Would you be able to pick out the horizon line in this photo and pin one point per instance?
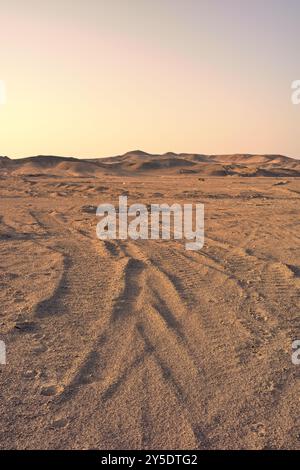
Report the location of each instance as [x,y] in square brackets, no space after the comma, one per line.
[151,154]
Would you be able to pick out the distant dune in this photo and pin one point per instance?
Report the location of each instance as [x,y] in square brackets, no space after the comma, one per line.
[138,162]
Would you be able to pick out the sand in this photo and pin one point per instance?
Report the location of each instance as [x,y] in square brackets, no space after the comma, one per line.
[143,344]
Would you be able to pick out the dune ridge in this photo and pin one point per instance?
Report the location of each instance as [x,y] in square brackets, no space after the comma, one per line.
[138,162]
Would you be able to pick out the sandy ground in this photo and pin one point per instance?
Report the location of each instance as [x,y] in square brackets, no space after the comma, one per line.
[128,345]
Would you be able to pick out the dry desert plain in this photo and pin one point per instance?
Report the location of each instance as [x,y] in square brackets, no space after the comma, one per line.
[143,344]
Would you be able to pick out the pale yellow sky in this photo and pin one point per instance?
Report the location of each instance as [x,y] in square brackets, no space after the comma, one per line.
[96,78]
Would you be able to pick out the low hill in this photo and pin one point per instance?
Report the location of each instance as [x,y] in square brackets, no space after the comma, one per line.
[138,162]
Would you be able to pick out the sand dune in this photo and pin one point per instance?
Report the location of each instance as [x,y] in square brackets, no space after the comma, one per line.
[138,162]
[142,344]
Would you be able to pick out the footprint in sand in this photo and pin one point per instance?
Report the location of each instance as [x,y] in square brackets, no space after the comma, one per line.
[26,326]
[60,423]
[30,374]
[259,429]
[51,390]
[40,349]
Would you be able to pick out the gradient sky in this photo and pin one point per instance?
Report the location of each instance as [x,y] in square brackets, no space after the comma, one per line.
[96,77]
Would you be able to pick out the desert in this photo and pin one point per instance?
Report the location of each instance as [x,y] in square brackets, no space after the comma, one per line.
[142,344]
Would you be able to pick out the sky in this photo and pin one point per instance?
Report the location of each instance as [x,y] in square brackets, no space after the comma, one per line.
[93,78]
